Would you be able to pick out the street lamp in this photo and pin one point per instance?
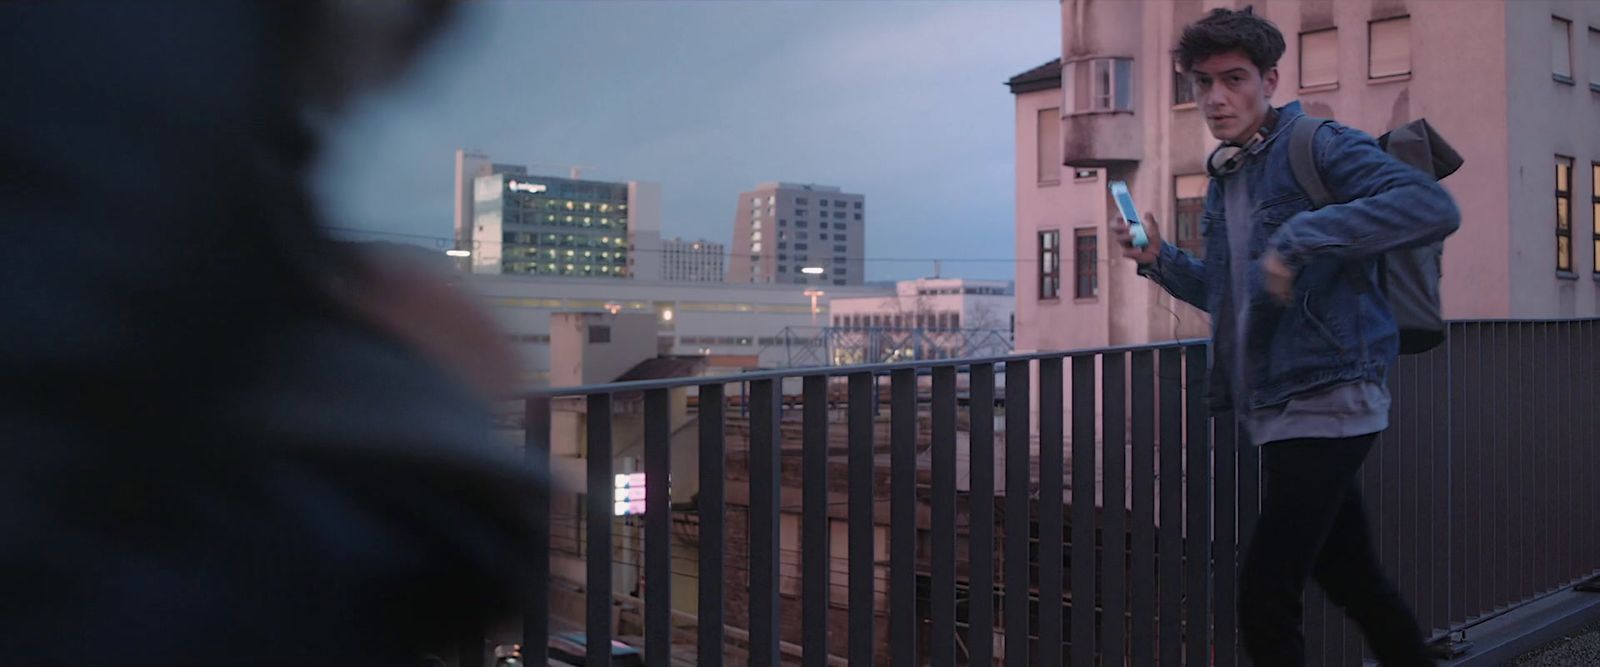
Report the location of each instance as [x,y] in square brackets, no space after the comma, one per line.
[814,293]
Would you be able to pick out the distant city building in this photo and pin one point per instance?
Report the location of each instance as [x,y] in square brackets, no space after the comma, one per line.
[742,325]
[929,303]
[926,318]
[691,261]
[783,229]
[551,226]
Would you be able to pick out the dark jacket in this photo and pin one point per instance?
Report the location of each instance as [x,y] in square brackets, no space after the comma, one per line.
[1337,327]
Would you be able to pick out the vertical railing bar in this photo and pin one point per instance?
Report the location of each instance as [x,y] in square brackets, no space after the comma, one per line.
[816,552]
[1565,395]
[903,518]
[1197,541]
[536,597]
[1051,500]
[657,529]
[599,501]
[1170,547]
[1439,513]
[1455,492]
[765,403]
[713,520]
[980,543]
[1141,565]
[1017,519]
[863,400]
[1114,528]
[1084,566]
[1411,442]
[1523,489]
[1223,543]
[942,540]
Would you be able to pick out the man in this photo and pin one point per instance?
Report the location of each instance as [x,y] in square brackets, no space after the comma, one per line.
[1302,335]
[224,437]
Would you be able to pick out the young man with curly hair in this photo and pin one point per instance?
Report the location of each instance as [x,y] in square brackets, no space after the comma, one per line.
[1302,336]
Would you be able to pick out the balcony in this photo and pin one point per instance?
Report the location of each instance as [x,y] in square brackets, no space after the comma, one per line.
[1099,127]
[1482,495]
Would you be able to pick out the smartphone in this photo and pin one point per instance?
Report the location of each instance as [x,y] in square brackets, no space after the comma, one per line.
[1130,215]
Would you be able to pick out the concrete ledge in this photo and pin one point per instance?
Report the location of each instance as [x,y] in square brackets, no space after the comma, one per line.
[1527,628]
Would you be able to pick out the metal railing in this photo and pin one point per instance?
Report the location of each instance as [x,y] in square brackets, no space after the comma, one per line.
[1482,494]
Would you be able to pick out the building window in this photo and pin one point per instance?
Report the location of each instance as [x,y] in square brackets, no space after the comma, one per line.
[1389,48]
[800,212]
[801,235]
[800,246]
[782,222]
[1048,135]
[839,248]
[823,236]
[1189,205]
[822,202]
[599,334]
[858,206]
[1561,49]
[1050,264]
[799,201]
[1563,213]
[1098,85]
[1594,59]
[858,216]
[1086,258]
[800,223]
[1182,87]
[1594,215]
[1319,58]
[838,237]
[838,225]
[839,281]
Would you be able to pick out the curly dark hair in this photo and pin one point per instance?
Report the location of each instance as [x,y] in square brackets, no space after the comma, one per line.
[1225,30]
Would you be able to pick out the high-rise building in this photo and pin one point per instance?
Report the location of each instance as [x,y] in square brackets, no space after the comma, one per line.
[550,226]
[798,234]
[469,166]
[1511,85]
[691,261]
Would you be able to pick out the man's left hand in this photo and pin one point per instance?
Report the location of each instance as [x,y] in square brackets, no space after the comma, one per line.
[1278,276]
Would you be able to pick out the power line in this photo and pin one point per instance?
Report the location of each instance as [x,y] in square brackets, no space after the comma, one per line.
[444,242]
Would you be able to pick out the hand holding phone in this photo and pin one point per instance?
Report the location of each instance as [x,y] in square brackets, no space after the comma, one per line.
[1130,214]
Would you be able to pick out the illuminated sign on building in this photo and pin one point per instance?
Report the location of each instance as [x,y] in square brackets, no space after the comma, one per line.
[629,494]
[518,186]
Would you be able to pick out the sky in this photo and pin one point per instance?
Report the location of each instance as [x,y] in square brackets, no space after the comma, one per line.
[903,102]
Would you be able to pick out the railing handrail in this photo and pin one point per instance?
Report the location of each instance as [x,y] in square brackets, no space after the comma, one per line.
[878,368]
[921,364]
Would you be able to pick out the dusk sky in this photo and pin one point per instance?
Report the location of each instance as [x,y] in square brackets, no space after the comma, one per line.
[900,101]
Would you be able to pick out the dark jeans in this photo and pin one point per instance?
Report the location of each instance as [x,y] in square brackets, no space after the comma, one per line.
[1313,524]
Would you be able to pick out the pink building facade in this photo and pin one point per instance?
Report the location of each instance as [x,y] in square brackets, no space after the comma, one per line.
[1514,86]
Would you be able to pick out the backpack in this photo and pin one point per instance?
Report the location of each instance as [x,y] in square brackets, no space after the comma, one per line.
[1409,278]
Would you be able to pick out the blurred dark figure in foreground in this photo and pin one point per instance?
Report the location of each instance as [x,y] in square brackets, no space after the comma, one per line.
[225,438]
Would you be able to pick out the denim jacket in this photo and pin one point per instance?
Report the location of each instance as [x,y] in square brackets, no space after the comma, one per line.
[1337,327]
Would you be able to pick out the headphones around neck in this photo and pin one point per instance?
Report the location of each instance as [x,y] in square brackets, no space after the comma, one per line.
[1229,157]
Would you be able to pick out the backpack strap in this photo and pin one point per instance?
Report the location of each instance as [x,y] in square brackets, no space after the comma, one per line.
[1303,160]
